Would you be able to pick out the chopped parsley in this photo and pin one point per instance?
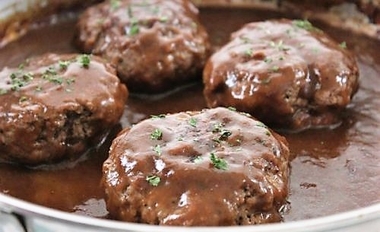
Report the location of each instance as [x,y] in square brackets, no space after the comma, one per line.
[20,79]
[64,64]
[279,45]
[245,39]
[268,60]
[197,159]
[343,45]
[50,75]
[153,180]
[193,122]
[260,124]
[158,116]
[134,29]
[218,163]
[38,88]
[217,127]
[304,24]
[23,99]
[115,4]
[70,81]
[248,52]
[158,149]
[274,68]
[84,60]
[156,134]
[164,19]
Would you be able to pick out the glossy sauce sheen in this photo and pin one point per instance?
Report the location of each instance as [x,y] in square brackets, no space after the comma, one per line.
[57,96]
[249,187]
[332,170]
[283,74]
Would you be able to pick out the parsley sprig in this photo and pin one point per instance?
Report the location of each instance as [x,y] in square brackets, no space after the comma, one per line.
[193,122]
[153,180]
[156,134]
[304,24]
[219,163]
[84,60]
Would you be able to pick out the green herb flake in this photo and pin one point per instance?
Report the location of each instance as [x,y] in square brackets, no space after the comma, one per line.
[232,108]
[248,52]
[56,80]
[20,79]
[245,39]
[218,163]
[23,99]
[156,134]
[21,66]
[48,72]
[134,29]
[153,180]
[115,4]
[193,122]
[158,149]
[343,45]
[3,91]
[197,159]
[84,60]
[304,24]
[217,127]
[164,19]
[260,124]
[279,45]
[158,116]
[70,81]
[274,68]
[268,60]
[39,88]
[64,64]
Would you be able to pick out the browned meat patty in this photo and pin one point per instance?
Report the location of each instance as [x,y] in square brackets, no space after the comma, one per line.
[54,106]
[370,8]
[288,74]
[155,44]
[216,167]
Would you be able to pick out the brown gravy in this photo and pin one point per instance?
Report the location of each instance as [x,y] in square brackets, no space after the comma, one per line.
[332,170]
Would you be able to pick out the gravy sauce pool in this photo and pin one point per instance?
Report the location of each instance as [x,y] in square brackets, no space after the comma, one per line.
[332,170]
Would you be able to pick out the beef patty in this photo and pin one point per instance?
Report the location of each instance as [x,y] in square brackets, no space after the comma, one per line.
[286,73]
[54,106]
[155,44]
[216,167]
